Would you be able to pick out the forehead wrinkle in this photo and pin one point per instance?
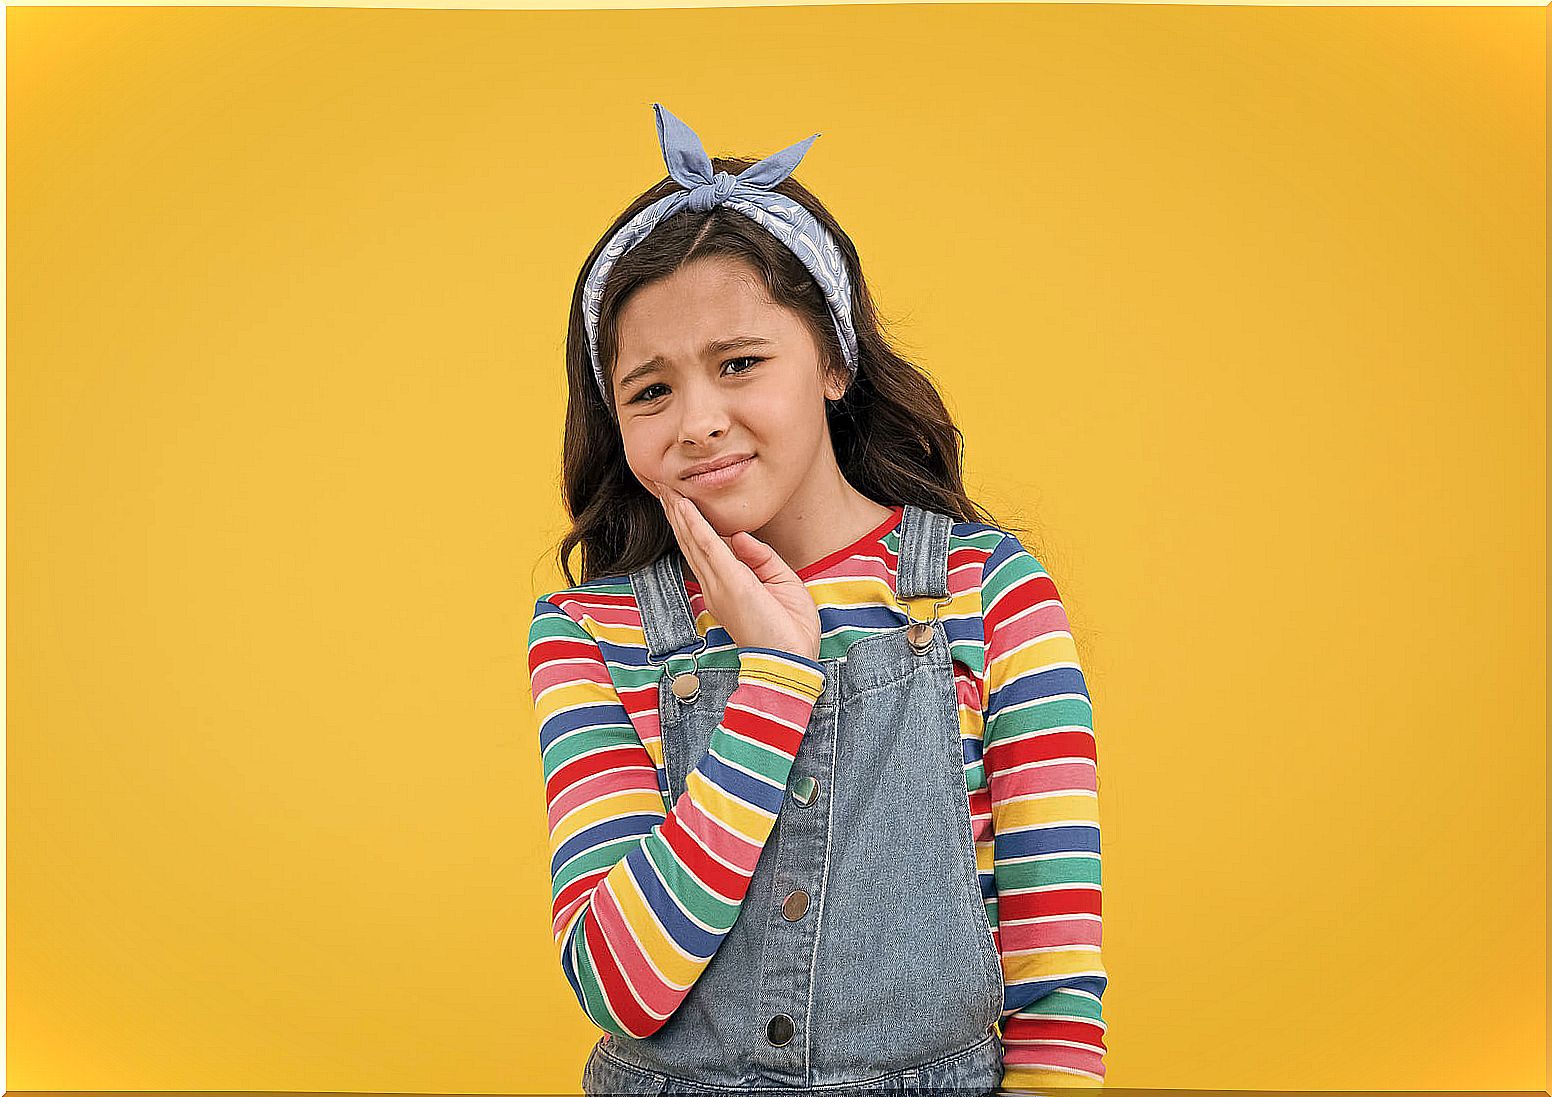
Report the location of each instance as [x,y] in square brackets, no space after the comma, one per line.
[712,349]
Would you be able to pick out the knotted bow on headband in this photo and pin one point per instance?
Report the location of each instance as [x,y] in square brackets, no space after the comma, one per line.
[750,193]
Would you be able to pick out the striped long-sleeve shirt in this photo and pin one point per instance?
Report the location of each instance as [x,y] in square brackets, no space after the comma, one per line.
[626,865]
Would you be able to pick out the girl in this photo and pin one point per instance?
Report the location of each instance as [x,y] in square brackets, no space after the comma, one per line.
[818,754]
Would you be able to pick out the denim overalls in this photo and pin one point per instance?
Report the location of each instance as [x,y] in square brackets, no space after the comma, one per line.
[862,958]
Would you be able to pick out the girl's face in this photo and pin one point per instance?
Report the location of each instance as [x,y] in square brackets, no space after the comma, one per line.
[709,368]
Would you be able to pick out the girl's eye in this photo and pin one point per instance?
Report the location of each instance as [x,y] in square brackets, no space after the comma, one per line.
[643,397]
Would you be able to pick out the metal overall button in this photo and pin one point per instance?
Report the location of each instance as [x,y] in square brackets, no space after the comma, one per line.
[795,905]
[804,789]
[779,1031]
[686,686]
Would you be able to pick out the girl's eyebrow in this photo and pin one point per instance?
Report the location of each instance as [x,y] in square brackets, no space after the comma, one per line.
[710,350]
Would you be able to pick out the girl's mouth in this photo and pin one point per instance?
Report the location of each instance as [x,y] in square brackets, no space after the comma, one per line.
[724,475]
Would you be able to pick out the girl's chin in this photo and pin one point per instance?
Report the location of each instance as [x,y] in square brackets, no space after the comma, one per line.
[729,511]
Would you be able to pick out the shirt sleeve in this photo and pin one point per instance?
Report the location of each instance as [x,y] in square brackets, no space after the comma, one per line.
[1042,774]
[642,898]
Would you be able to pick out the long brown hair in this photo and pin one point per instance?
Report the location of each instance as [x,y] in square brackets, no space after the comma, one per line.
[894,439]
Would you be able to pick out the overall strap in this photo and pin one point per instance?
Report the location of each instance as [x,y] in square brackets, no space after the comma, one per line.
[669,627]
[665,606]
[923,570]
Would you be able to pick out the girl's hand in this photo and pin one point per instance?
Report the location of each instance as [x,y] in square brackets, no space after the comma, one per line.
[748,588]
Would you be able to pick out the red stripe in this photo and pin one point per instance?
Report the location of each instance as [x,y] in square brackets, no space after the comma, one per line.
[589,765]
[716,876]
[611,981]
[1019,905]
[1028,591]
[1039,747]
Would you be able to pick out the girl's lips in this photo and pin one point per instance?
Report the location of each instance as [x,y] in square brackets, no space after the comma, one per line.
[724,475]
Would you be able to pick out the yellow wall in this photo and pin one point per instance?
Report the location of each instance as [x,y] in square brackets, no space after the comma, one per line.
[1242,309]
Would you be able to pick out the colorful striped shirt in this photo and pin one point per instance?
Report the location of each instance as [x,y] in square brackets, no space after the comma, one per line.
[644,890]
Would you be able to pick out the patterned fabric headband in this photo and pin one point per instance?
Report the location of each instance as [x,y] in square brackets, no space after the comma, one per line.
[750,193]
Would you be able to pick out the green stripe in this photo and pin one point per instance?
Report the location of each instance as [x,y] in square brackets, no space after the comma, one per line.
[772,764]
[599,858]
[702,904]
[1018,875]
[554,622]
[1047,714]
[594,1002]
[583,739]
[1063,1002]
[1021,565]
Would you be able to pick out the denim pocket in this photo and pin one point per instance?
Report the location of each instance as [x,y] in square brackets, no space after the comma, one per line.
[605,1076]
[977,1069]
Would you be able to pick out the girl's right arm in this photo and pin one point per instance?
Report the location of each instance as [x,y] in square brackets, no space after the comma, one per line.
[642,898]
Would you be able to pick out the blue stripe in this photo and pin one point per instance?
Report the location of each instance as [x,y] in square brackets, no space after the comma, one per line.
[739,785]
[1036,685]
[1067,838]
[602,833]
[593,716]
[686,933]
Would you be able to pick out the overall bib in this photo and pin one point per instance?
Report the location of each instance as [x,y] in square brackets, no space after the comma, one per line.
[862,958]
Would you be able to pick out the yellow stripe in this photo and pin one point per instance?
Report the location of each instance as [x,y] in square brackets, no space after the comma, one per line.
[573,693]
[1055,808]
[985,855]
[673,965]
[1055,647]
[1016,1078]
[625,802]
[736,815]
[1046,965]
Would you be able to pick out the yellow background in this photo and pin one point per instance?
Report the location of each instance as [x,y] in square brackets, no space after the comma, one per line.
[1241,309]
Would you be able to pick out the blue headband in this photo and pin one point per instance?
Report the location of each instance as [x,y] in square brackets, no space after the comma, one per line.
[750,193]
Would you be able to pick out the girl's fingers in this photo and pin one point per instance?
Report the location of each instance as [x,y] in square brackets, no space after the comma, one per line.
[694,532]
[711,543]
[714,561]
[670,511]
[682,533]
